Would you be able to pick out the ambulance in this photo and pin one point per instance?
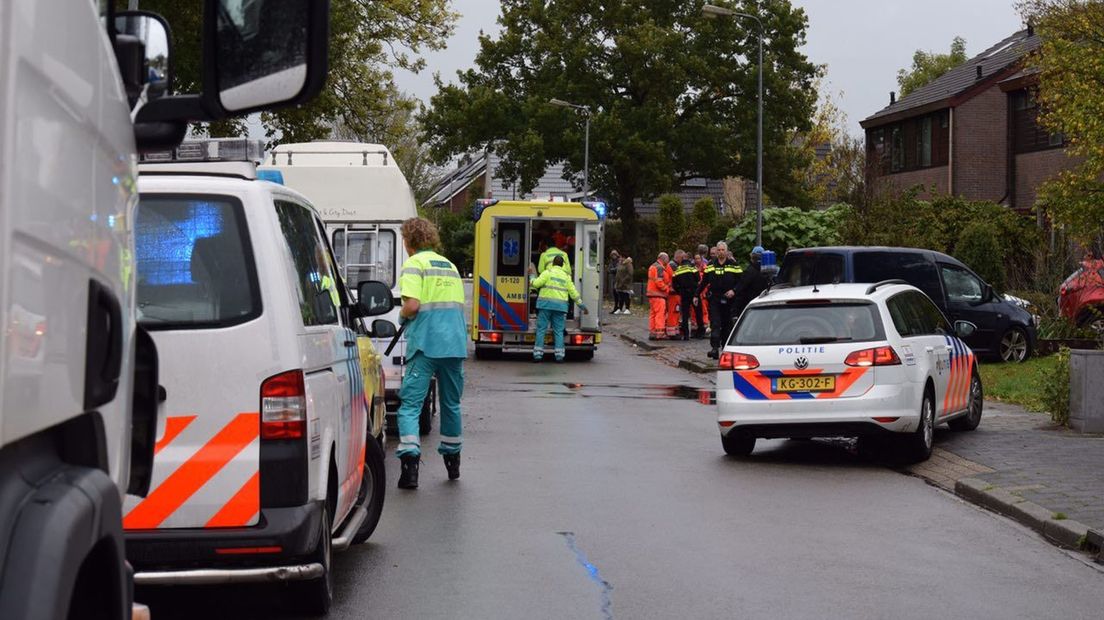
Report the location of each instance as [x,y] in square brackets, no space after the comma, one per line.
[509,239]
[271,456]
[363,198]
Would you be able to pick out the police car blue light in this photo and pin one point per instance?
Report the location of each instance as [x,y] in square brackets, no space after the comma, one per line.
[272,176]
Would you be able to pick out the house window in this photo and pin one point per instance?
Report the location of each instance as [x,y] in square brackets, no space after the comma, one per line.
[1027,134]
[916,143]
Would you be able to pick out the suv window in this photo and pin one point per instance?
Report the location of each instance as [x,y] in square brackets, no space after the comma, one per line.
[808,268]
[912,267]
[318,296]
[806,323]
[194,263]
[961,285]
[371,256]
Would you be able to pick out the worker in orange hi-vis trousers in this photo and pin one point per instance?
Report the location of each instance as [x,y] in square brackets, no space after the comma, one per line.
[673,299]
[659,286]
[701,260]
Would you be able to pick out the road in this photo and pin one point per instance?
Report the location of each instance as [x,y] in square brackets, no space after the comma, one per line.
[582,500]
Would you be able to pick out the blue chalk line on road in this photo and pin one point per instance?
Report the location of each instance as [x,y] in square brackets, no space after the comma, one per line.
[592,573]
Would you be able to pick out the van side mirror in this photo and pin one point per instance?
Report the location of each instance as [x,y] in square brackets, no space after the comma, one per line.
[382,328]
[373,299]
[964,329]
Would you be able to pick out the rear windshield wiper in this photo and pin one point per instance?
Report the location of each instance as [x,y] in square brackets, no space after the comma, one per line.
[823,339]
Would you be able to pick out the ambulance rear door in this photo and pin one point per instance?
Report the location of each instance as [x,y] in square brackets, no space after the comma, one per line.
[588,277]
[506,299]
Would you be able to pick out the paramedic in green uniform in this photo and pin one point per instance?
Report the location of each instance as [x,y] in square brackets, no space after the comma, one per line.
[548,254]
[555,288]
[436,345]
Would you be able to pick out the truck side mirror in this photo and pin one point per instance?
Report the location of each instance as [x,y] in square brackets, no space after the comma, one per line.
[259,55]
[155,72]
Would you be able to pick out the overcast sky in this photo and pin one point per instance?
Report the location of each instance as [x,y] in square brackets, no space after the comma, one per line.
[863,42]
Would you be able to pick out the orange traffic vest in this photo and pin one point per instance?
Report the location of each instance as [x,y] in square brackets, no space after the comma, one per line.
[659,280]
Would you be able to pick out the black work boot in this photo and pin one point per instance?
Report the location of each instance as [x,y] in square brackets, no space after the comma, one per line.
[452,464]
[713,353]
[408,479]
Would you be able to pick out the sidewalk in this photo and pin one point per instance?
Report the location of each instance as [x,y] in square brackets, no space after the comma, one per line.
[1017,463]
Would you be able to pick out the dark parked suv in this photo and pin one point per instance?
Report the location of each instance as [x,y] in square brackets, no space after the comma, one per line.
[1005,331]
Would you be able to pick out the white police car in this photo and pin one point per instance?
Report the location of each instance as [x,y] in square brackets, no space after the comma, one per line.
[846,360]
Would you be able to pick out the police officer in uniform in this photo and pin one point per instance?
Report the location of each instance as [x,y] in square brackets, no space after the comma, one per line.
[555,288]
[685,283]
[721,277]
[436,345]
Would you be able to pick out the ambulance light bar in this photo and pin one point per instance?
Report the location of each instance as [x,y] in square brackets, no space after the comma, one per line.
[211,149]
[480,204]
[599,208]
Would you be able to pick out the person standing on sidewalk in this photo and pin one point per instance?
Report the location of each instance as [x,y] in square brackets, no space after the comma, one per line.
[659,286]
[721,277]
[673,298]
[752,283]
[436,345]
[685,282]
[556,289]
[622,286]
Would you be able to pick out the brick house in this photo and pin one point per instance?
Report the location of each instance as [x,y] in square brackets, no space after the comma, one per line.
[972,132]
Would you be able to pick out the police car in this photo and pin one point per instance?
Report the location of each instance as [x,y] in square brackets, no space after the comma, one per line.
[846,360]
[268,455]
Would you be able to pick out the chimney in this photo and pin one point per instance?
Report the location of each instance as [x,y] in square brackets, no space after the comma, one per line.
[892,97]
[1030,29]
[979,72]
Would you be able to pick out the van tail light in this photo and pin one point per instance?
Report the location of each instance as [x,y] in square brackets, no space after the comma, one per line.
[738,361]
[284,406]
[878,356]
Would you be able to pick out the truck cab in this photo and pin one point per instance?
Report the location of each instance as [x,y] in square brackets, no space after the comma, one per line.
[510,238]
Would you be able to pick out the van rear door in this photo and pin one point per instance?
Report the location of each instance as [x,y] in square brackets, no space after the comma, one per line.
[590,273]
[198,297]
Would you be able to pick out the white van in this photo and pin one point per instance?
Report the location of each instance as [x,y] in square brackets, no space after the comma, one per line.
[270,457]
[363,198]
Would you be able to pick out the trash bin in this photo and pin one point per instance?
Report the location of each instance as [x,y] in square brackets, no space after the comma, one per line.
[1086,391]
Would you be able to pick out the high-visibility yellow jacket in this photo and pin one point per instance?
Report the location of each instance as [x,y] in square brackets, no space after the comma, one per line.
[439,329]
[545,260]
[556,288]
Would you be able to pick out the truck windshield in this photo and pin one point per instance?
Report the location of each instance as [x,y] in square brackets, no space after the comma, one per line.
[371,256]
[194,263]
[798,323]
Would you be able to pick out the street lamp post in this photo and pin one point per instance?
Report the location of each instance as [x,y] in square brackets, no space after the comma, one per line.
[585,109]
[713,11]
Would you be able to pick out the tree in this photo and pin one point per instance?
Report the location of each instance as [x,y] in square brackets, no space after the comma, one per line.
[926,66]
[705,213]
[368,39]
[672,94]
[1071,102]
[837,160]
[672,222]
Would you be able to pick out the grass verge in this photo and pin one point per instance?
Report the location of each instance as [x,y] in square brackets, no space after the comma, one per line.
[1020,384]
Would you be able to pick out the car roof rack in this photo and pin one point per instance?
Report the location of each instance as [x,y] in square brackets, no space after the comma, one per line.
[877,285]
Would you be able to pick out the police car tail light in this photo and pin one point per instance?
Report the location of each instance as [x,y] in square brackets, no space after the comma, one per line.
[738,361]
[284,406]
[878,356]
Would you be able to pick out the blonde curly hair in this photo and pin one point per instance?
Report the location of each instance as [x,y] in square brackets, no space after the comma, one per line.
[420,234]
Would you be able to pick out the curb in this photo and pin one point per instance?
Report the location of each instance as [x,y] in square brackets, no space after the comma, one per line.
[697,367]
[1095,540]
[1064,532]
[685,364]
[640,343]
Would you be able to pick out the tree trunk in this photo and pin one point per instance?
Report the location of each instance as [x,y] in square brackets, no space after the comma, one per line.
[626,208]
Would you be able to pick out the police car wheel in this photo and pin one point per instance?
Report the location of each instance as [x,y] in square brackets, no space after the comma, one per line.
[372,490]
[917,445]
[314,597]
[736,443]
[971,420]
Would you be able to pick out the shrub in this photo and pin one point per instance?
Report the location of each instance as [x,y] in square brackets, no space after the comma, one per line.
[672,222]
[789,227]
[979,247]
[1056,386]
[704,213]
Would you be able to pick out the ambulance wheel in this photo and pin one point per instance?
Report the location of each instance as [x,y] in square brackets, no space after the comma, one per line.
[736,443]
[487,353]
[372,490]
[314,597]
[581,356]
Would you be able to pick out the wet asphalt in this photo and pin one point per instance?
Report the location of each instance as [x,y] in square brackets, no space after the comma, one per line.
[600,490]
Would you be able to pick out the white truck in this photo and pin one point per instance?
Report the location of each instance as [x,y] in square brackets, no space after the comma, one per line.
[83,89]
[363,198]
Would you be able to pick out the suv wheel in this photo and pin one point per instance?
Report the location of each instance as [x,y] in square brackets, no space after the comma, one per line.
[971,420]
[1013,345]
[736,443]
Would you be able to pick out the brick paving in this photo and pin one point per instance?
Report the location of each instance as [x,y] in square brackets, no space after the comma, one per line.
[1013,449]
